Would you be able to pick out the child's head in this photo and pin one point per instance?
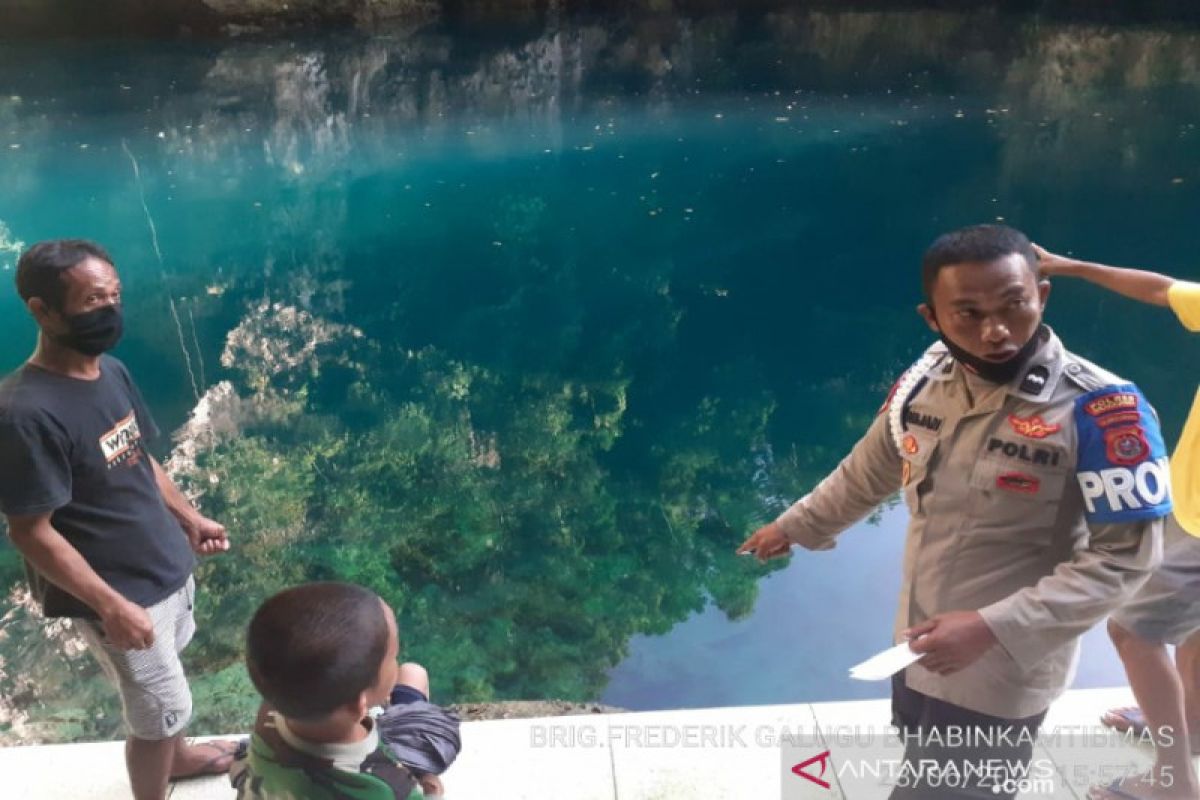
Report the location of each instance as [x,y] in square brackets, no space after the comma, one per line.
[322,648]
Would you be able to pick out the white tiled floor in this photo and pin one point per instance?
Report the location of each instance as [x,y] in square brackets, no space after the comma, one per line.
[707,754]
[721,753]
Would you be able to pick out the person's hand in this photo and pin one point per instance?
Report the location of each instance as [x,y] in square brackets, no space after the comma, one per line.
[206,536]
[951,641]
[431,785]
[127,626]
[1052,263]
[767,542]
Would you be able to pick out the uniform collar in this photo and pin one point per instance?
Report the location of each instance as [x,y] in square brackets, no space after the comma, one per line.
[1036,382]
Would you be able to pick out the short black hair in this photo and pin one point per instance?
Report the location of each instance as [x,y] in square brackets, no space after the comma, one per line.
[316,647]
[977,243]
[41,268]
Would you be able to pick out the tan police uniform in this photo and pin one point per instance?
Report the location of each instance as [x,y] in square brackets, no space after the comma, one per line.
[1037,503]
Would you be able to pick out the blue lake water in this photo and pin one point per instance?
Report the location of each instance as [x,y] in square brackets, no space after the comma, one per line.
[531,328]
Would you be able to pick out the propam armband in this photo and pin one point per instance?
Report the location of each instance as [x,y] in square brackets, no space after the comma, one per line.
[1122,466]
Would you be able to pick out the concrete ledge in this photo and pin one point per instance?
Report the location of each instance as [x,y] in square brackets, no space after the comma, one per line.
[696,754]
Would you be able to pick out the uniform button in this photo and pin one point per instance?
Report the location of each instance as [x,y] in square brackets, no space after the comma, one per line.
[1073,368]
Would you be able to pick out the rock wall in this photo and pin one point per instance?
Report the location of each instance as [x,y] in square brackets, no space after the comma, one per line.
[304,97]
[84,18]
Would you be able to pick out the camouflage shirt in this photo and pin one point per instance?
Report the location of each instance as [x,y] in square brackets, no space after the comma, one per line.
[281,766]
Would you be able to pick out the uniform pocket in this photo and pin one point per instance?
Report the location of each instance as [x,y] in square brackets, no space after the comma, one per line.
[1013,497]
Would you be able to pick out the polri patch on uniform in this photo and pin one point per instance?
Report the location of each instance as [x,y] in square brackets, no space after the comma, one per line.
[1121,468]
[909,443]
[1035,380]
[1032,427]
[1021,451]
[1018,482]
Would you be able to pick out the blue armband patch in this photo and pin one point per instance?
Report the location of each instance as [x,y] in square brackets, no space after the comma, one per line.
[1122,466]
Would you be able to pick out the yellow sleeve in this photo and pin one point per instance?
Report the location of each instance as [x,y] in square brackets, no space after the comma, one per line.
[1184,297]
[1185,473]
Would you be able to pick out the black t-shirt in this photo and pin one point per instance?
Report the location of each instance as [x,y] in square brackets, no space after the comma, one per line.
[77,448]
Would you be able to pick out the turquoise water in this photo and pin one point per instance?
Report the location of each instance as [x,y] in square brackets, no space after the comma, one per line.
[566,313]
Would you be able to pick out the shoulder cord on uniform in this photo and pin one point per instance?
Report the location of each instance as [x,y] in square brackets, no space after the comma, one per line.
[908,385]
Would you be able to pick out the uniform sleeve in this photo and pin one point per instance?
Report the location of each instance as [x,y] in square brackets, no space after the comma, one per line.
[864,479]
[1124,480]
[1119,558]
[35,463]
[1122,459]
[1184,298]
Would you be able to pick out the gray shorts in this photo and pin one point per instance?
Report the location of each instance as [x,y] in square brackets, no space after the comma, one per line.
[155,699]
[1167,607]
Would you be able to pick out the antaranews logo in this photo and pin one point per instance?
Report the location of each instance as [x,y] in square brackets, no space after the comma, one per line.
[802,768]
[812,777]
[872,761]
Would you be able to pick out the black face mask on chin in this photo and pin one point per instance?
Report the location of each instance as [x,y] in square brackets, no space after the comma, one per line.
[93,332]
[995,371]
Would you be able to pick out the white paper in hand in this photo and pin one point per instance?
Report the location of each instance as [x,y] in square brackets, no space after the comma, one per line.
[882,666]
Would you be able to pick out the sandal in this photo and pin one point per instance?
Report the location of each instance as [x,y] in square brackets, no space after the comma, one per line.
[1113,791]
[1131,718]
[1126,718]
[227,752]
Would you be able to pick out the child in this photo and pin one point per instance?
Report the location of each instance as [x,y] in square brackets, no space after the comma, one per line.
[321,655]
[1166,610]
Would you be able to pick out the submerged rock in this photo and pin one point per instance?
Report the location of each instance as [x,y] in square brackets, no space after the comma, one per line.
[359,11]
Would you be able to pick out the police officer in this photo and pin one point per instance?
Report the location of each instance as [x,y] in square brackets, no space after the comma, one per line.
[1036,483]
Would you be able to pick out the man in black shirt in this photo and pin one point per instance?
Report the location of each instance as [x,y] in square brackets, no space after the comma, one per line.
[107,538]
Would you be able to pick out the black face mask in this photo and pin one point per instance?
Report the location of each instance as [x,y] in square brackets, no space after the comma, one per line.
[995,371]
[93,332]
